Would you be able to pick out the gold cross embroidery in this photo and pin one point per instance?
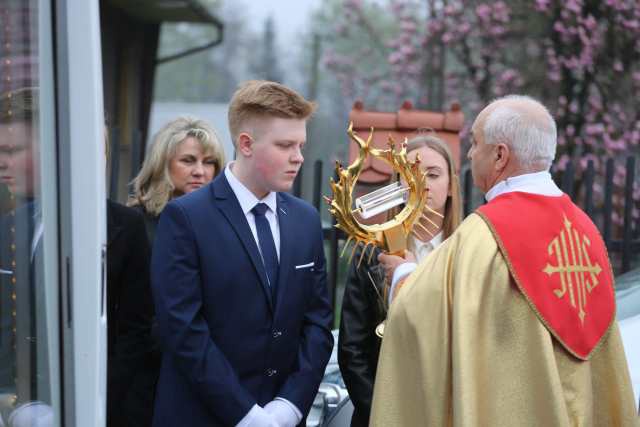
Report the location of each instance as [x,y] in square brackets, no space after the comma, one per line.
[577,273]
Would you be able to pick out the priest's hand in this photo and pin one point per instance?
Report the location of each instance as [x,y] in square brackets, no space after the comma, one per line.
[390,262]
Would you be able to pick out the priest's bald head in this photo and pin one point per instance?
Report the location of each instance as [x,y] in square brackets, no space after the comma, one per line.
[512,136]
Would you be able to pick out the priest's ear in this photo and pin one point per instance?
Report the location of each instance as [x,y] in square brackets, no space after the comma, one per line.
[502,156]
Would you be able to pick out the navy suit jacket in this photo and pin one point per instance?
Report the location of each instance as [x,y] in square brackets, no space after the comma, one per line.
[228,344]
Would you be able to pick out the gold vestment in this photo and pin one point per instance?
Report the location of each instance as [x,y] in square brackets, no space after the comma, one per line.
[462,347]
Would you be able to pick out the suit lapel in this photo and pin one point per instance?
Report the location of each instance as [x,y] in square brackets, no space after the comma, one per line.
[285,223]
[230,208]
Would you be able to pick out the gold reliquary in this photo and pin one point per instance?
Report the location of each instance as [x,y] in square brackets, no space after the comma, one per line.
[409,192]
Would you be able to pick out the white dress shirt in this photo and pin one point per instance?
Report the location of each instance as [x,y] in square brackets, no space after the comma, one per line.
[420,250]
[535,183]
[248,201]
[279,412]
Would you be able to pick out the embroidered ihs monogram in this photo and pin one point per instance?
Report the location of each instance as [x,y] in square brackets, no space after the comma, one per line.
[578,275]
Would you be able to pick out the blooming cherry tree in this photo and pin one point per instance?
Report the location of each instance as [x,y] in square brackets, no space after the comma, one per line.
[579,57]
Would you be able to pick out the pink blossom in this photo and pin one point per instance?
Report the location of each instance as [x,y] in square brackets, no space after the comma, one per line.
[543,5]
[464,28]
[435,26]
[594,129]
[407,50]
[451,9]
[395,57]
[561,140]
[591,141]
[501,12]
[571,130]
[562,162]
[615,4]
[631,24]
[590,23]
[584,161]
[617,65]
[356,4]
[573,107]
[408,26]
[573,5]
[497,30]
[483,11]
[553,75]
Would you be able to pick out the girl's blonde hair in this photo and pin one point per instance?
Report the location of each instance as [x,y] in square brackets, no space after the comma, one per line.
[152,187]
[452,209]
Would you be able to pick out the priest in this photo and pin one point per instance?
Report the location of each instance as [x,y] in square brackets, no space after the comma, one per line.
[511,321]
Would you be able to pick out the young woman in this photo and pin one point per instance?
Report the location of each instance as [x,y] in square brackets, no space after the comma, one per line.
[363,306]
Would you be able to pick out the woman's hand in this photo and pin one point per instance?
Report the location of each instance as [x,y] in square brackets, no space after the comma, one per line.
[390,262]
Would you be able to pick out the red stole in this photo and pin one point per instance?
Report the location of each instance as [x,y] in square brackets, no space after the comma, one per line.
[559,262]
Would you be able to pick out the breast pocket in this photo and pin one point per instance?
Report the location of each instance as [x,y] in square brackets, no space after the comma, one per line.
[303,278]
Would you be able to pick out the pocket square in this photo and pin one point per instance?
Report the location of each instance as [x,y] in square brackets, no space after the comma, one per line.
[9,272]
[311,264]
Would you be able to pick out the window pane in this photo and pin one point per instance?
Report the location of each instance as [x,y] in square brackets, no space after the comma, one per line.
[25,389]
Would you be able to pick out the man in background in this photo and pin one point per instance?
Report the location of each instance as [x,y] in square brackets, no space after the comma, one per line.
[24,364]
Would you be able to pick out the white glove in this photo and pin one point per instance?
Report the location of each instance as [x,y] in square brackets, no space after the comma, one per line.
[258,417]
[32,414]
[283,412]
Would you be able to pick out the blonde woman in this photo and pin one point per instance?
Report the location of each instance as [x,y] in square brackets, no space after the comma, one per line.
[185,155]
[363,307]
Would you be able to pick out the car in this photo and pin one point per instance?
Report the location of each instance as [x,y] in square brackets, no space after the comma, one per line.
[331,406]
[628,314]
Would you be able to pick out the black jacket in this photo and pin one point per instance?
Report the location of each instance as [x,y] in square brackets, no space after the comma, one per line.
[358,345]
[150,223]
[130,375]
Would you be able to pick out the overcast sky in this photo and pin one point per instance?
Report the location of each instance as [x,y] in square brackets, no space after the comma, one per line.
[290,15]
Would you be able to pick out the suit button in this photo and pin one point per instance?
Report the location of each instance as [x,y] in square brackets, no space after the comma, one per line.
[271,372]
[276,334]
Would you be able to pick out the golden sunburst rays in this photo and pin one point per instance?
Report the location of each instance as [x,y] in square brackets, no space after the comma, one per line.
[424,222]
[368,237]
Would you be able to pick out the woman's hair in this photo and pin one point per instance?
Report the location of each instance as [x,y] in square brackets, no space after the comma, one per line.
[152,187]
[452,209]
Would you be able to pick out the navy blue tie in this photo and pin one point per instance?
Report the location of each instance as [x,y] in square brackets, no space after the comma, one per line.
[267,245]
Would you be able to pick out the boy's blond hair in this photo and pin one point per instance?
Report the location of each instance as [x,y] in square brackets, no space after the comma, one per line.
[261,98]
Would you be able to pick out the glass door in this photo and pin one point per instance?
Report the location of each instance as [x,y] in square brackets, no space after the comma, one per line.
[29,286]
[52,215]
